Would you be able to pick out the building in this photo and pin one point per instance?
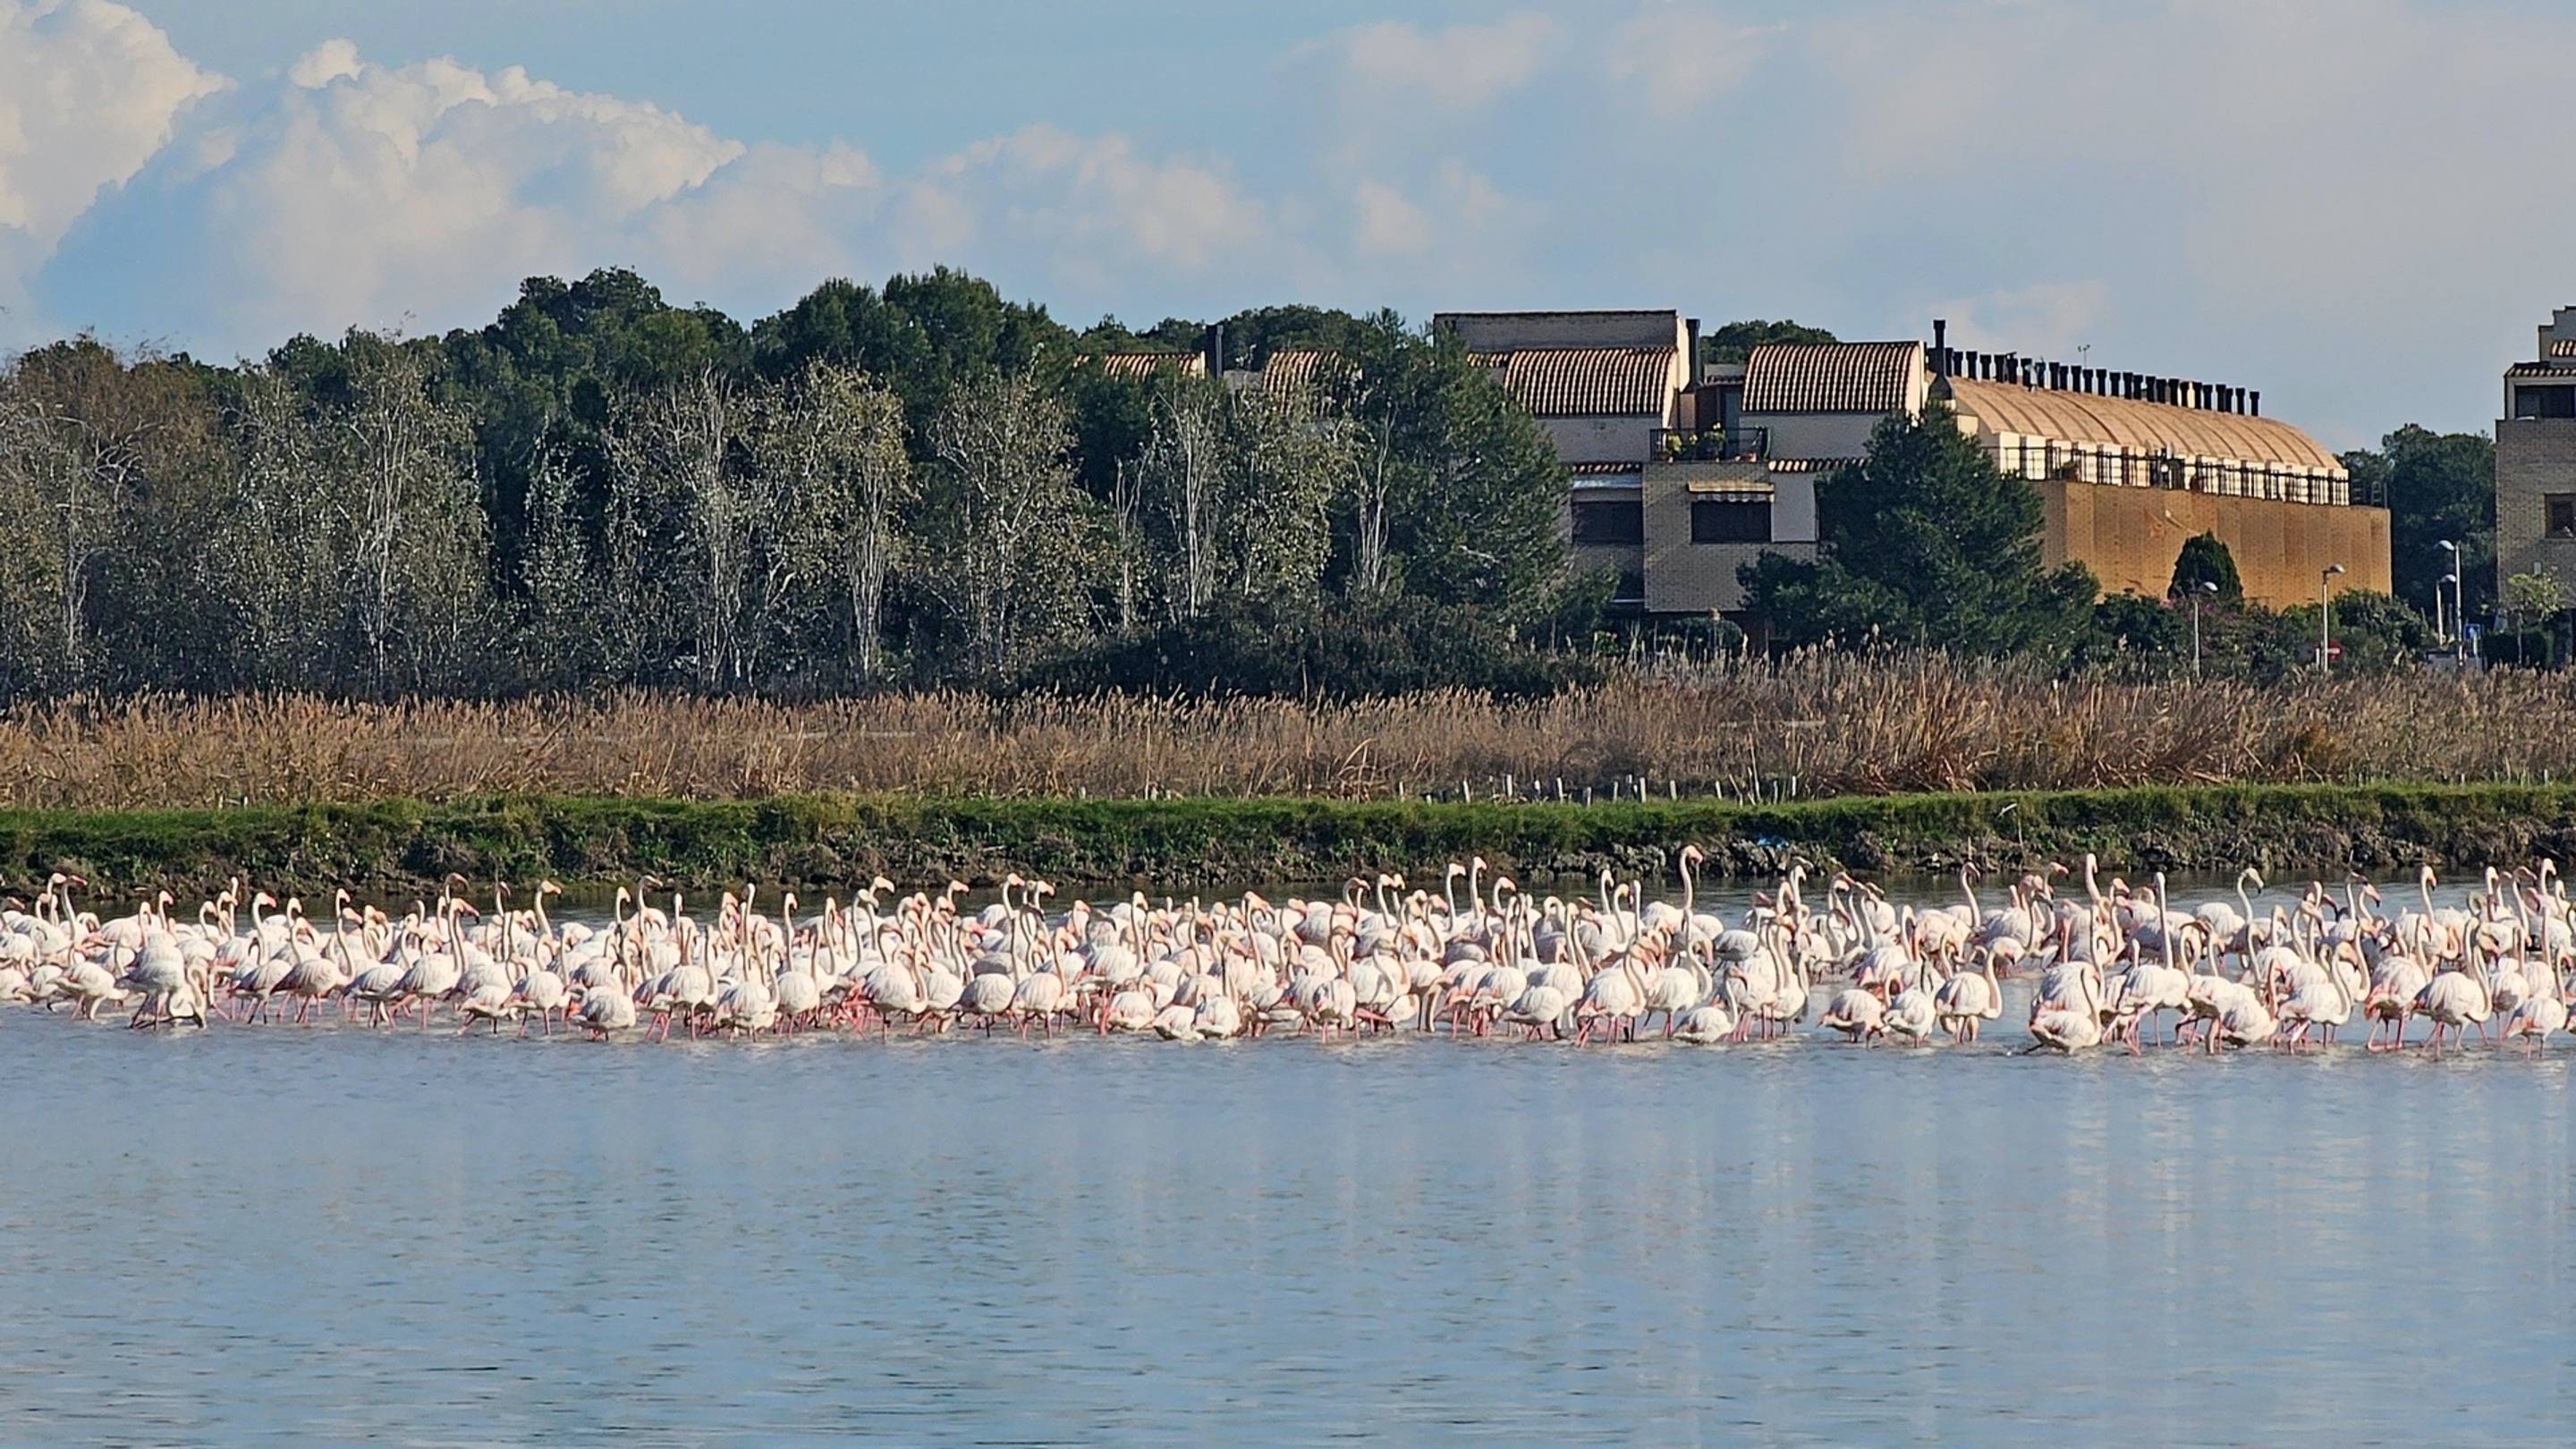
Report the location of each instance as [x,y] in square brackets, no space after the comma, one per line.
[2535,461]
[1608,387]
[2127,466]
[1682,474]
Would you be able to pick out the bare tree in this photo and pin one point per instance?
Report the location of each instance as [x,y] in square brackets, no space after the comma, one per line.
[680,444]
[1002,443]
[838,441]
[73,443]
[410,510]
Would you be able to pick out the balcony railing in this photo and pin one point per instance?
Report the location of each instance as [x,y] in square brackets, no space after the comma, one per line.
[1711,445]
[2121,468]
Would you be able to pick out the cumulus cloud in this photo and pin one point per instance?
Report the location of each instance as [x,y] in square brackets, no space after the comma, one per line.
[357,193]
[1047,186]
[2044,319]
[1388,221]
[1679,55]
[88,92]
[1460,67]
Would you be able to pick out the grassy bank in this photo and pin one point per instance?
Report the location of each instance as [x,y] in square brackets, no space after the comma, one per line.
[831,842]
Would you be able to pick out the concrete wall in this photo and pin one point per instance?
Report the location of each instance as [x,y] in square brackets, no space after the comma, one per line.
[1513,331]
[2535,457]
[1602,440]
[2130,538]
[1817,435]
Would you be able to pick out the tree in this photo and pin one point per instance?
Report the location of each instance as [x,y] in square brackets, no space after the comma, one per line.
[839,437]
[405,496]
[1735,341]
[1927,544]
[1004,516]
[2440,486]
[81,435]
[2205,560]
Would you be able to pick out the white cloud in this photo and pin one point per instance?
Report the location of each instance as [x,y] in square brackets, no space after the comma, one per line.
[1096,203]
[88,92]
[1461,67]
[2045,319]
[1388,221]
[1679,55]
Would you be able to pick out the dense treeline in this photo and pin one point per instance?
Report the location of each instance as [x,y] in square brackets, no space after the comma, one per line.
[923,483]
[926,484]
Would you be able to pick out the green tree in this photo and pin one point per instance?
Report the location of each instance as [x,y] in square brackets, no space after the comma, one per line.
[1735,341]
[2205,560]
[1927,543]
[2440,486]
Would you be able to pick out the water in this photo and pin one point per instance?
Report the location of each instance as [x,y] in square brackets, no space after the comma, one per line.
[331,1236]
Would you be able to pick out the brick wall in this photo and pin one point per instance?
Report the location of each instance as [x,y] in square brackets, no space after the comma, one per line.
[2535,457]
[2130,538]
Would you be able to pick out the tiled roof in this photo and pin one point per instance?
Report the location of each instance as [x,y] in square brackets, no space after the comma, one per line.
[2541,369]
[1149,364]
[1589,382]
[1604,470]
[1299,367]
[2140,427]
[2562,347]
[1832,377]
[1788,466]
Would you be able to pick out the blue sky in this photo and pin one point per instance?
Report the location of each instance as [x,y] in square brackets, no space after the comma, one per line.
[2345,203]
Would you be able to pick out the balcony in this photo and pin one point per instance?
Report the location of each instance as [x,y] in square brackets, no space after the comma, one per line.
[1711,445]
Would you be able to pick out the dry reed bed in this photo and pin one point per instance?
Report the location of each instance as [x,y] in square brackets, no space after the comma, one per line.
[1836,726]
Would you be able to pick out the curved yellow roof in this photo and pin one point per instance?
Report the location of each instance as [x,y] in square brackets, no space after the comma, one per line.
[2141,427]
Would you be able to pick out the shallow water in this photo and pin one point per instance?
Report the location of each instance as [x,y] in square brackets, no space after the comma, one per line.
[254,1235]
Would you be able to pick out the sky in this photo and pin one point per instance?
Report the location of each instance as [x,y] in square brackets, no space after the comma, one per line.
[2359,207]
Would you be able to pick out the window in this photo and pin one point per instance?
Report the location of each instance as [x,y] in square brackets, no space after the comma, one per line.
[2544,402]
[1610,521]
[2562,514]
[1715,520]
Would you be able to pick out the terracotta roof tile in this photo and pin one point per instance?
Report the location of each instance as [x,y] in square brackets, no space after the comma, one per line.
[1832,377]
[1149,364]
[1589,382]
[1288,367]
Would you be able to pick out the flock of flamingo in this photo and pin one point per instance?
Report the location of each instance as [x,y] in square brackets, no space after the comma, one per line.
[2116,966]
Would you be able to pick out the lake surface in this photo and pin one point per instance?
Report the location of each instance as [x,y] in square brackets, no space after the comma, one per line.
[269,1235]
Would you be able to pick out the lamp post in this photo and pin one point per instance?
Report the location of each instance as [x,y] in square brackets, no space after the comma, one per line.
[2459,610]
[2325,618]
[2206,587]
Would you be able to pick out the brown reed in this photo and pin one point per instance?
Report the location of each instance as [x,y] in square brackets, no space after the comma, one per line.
[1818,725]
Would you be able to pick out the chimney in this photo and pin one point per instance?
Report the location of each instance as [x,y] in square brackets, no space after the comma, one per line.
[1696,370]
[1940,347]
[2254,403]
[1216,351]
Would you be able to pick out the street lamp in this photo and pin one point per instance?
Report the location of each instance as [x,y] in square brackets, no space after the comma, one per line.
[2325,618]
[2459,608]
[2206,587]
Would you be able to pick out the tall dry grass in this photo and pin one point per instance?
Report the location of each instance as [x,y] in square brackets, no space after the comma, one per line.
[1834,725]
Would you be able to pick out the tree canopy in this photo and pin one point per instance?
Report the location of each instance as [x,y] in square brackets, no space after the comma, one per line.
[914,483]
[1735,341]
